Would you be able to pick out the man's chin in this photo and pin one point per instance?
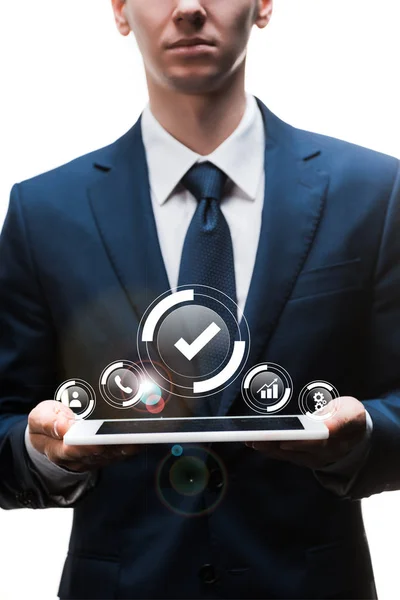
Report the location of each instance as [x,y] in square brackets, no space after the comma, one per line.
[195,84]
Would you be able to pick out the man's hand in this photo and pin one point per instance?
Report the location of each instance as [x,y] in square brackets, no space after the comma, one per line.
[49,421]
[346,429]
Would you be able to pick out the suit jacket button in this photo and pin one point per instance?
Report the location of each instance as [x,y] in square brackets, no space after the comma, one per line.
[207,574]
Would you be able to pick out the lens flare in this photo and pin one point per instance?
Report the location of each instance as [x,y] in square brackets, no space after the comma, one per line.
[191,482]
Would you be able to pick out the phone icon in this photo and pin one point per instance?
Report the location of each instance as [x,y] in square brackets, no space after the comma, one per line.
[118,382]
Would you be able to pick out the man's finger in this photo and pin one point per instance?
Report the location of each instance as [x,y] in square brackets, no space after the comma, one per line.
[90,455]
[304,445]
[51,418]
[349,419]
[296,445]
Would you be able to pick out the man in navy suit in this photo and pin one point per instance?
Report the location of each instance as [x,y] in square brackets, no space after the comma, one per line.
[309,229]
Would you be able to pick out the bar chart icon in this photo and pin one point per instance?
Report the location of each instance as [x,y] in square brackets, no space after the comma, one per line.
[269,391]
[267,388]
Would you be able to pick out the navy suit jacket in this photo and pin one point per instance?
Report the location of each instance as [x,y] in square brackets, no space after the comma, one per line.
[79,264]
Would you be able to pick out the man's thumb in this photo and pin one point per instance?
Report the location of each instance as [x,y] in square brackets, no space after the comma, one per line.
[62,424]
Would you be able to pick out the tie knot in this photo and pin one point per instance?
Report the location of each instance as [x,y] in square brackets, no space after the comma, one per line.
[205,180]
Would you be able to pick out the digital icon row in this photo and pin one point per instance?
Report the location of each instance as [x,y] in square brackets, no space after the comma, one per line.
[123,384]
[267,389]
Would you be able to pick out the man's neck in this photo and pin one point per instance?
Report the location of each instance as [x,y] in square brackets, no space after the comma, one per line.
[200,122]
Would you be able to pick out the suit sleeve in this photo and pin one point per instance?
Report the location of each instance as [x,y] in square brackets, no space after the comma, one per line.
[65,486]
[381,470]
[28,361]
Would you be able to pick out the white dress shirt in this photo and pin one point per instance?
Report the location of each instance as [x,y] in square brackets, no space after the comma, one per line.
[241,157]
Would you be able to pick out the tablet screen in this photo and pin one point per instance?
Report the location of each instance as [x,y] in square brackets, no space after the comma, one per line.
[160,425]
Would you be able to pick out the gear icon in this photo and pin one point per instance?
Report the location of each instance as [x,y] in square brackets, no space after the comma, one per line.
[319,400]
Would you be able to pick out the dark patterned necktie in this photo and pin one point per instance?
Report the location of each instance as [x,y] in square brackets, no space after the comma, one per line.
[207,256]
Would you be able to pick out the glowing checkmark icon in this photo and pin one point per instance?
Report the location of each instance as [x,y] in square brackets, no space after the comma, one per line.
[189,351]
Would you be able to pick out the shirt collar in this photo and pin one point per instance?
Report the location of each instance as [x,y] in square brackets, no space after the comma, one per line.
[168,159]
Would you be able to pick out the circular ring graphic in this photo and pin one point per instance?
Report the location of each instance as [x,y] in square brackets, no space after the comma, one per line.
[123,384]
[78,395]
[174,318]
[267,388]
[314,399]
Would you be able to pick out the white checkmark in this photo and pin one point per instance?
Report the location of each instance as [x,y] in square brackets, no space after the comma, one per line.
[189,351]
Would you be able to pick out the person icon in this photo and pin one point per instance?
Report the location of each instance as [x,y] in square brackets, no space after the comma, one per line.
[75,398]
[75,402]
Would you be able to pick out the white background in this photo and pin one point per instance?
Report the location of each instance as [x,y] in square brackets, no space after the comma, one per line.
[71,84]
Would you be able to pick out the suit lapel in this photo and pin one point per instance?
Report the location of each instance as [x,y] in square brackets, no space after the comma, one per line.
[121,205]
[293,204]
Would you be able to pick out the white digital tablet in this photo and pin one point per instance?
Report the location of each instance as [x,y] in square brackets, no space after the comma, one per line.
[161,430]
